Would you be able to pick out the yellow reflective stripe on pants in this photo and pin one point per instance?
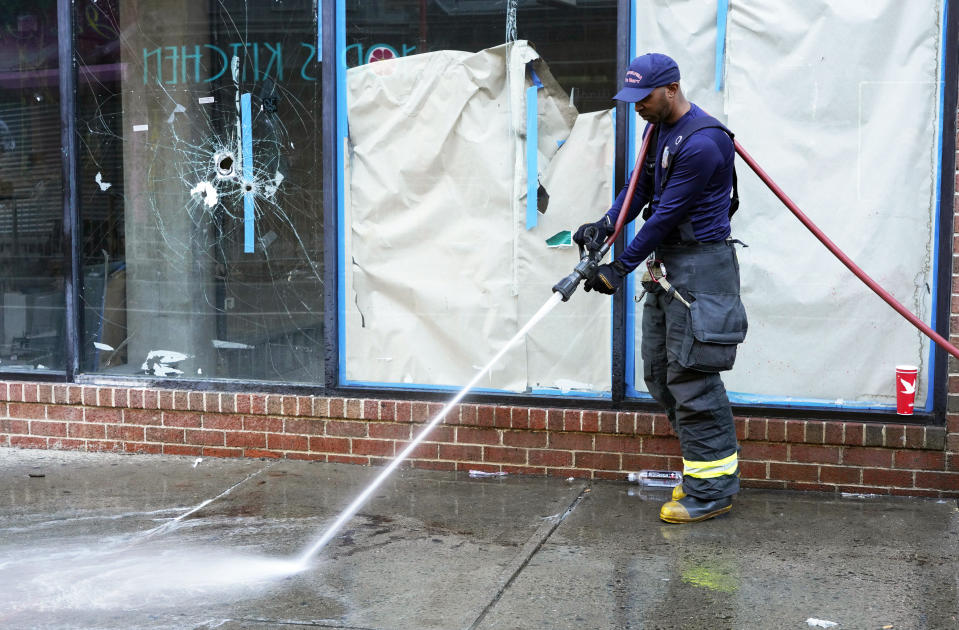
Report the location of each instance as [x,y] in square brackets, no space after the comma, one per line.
[707,470]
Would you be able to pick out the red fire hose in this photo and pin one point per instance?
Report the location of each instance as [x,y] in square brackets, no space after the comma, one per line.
[838,253]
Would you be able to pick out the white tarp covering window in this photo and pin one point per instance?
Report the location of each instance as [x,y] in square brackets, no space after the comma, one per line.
[441,268]
[839,103]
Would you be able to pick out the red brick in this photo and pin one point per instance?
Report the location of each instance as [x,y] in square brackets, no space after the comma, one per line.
[854,434]
[752,470]
[347,459]
[814,454]
[600,461]
[227,403]
[38,427]
[243,403]
[537,419]
[439,434]
[245,439]
[763,451]
[470,435]
[421,451]
[644,424]
[274,405]
[44,393]
[952,462]
[840,474]
[661,446]
[618,443]
[554,419]
[895,436]
[266,424]
[14,426]
[915,436]
[105,416]
[569,472]
[89,395]
[925,460]
[756,429]
[832,433]
[420,412]
[504,455]
[626,422]
[404,411]
[15,392]
[181,449]
[795,431]
[764,483]
[776,430]
[160,434]
[213,451]
[607,422]
[59,412]
[86,431]
[478,466]
[814,432]
[205,438]
[523,470]
[102,446]
[305,427]
[662,426]
[126,433]
[185,419]
[502,417]
[638,462]
[887,478]
[329,445]
[571,441]
[135,400]
[590,421]
[165,400]
[525,439]
[291,405]
[389,431]
[431,465]
[147,449]
[793,472]
[372,447]
[461,452]
[181,400]
[27,411]
[24,441]
[346,429]
[258,404]
[284,442]
[549,458]
[388,410]
[572,420]
[868,457]
[947,481]
[809,486]
[223,422]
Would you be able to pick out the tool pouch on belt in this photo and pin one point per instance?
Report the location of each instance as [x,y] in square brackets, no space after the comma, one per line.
[715,326]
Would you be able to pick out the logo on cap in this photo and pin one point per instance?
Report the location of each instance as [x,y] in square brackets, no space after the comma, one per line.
[633,77]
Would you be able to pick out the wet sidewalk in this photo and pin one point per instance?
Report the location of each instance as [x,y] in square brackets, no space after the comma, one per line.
[123,541]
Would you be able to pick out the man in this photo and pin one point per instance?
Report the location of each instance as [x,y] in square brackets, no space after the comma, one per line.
[693,317]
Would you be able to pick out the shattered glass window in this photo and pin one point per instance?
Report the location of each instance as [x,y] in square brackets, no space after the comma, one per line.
[32,272]
[479,135]
[200,182]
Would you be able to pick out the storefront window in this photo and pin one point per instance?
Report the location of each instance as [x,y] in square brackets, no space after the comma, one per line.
[478,136]
[32,272]
[200,183]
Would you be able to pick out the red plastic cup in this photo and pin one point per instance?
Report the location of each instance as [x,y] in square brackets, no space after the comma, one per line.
[906,377]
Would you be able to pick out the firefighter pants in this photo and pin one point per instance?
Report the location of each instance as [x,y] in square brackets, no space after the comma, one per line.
[683,351]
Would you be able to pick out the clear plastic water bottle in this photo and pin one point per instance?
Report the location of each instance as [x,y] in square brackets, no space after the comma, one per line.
[656,478]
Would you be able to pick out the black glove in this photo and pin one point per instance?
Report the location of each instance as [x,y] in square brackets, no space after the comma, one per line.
[604,227]
[608,278]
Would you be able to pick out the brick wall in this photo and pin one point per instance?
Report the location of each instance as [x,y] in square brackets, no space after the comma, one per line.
[830,456]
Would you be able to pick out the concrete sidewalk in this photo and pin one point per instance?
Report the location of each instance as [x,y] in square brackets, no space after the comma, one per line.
[141,541]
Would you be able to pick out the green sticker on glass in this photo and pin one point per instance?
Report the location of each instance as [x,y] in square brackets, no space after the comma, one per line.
[560,239]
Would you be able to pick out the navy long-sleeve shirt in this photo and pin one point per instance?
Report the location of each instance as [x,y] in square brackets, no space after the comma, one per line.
[698,189]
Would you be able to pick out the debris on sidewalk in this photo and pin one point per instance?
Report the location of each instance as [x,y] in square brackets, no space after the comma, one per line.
[482,473]
[812,622]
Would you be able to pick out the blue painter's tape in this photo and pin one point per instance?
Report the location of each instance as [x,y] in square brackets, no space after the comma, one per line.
[319,31]
[532,162]
[722,12]
[246,131]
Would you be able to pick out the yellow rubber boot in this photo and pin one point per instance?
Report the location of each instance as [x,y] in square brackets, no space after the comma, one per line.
[692,510]
[678,492]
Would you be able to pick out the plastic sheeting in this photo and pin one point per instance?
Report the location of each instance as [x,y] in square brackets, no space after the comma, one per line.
[838,101]
[442,271]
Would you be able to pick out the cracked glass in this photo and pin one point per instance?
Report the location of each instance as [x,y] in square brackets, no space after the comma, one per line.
[32,263]
[200,183]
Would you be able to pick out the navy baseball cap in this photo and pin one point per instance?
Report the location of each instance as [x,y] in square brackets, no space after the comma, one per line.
[646,73]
